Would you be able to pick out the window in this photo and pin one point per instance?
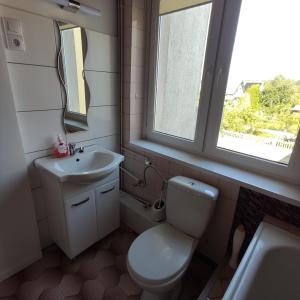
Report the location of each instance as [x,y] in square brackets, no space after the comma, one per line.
[180,60]
[262,101]
[225,81]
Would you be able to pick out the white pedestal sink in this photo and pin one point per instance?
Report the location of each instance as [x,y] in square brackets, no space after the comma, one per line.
[82,197]
[91,165]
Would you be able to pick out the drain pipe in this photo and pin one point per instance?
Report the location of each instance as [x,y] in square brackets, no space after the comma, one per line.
[120,19]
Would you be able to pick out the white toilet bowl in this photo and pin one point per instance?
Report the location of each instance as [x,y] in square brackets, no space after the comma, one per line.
[159,257]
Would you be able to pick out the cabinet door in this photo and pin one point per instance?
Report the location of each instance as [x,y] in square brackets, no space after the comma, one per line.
[81,222]
[108,208]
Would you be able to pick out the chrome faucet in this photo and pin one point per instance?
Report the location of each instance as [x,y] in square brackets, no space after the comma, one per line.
[73,150]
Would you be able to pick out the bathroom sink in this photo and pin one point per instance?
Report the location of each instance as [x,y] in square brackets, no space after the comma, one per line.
[89,166]
[270,268]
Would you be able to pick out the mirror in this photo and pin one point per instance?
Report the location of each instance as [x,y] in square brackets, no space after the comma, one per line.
[70,65]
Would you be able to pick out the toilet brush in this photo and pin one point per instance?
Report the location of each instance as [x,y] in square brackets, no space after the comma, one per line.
[238,239]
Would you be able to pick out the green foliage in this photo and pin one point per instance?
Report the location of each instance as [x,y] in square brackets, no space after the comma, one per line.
[279,91]
[254,93]
[269,109]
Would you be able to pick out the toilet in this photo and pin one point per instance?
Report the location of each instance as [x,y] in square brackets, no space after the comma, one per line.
[159,257]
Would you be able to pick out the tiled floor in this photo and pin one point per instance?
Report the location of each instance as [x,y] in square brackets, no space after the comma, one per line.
[97,274]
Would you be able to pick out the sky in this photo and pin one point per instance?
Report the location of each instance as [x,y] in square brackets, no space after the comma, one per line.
[267,42]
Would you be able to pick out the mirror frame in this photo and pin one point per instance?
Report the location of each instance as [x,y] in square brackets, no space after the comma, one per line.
[72,121]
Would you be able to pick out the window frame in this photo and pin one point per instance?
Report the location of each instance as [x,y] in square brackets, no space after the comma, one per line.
[222,30]
[197,145]
[256,164]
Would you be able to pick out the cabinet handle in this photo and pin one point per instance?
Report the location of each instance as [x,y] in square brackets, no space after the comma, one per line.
[79,203]
[104,192]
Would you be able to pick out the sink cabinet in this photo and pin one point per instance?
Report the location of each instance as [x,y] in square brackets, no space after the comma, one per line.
[81,214]
[81,222]
[108,208]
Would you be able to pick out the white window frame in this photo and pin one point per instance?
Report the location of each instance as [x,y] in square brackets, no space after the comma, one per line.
[222,30]
[195,146]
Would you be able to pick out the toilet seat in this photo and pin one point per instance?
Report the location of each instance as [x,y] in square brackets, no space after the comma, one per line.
[159,254]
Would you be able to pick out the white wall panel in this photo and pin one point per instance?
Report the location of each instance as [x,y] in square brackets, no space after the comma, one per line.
[106,23]
[102,52]
[35,87]
[103,88]
[39,128]
[33,173]
[103,121]
[18,229]
[39,39]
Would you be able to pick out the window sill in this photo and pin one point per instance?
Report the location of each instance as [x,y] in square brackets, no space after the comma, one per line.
[286,192]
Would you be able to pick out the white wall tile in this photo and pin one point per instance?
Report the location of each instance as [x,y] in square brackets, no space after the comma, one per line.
[229,189]
[39,203]
[39,39]
[103,88]
[137,74]
[39,129]
[136,105]
[137,57]
[33,172]
[138,3]
[106,23]
[138,38]
[35,87]
[215,239]
[103,121]
[102,52]
[111,142]
[18,230]
[138,18]
[136,121]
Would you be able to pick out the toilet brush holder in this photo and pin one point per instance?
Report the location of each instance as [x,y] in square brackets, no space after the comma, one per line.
[158,211]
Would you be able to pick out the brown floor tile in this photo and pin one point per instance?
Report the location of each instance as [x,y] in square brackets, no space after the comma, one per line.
[109,277]
[99,273]
[52,294]
[8,287]
[93,290]
[115,293]
[128,286]
[70,285]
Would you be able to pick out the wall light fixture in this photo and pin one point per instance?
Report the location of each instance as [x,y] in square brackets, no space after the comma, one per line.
[75,6]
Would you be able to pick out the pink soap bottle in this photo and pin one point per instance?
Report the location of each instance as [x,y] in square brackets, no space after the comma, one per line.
[60,149]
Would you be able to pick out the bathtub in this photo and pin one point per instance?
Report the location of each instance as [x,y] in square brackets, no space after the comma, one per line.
[270,268]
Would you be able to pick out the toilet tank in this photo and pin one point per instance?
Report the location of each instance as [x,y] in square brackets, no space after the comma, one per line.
[189,205]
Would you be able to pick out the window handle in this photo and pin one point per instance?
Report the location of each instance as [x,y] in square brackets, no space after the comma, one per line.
[81,202]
